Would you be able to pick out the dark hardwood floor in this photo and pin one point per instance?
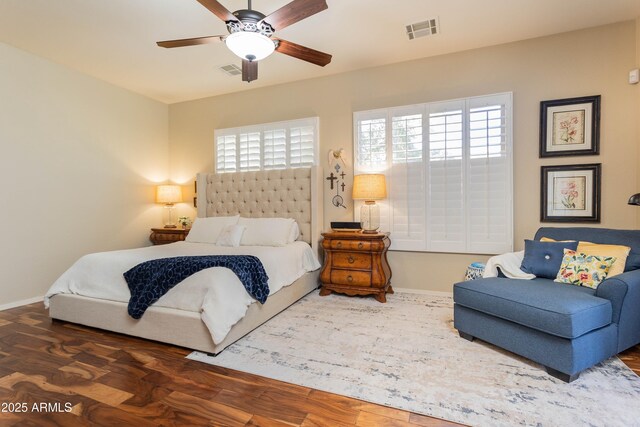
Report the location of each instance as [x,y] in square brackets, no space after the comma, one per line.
[87,377]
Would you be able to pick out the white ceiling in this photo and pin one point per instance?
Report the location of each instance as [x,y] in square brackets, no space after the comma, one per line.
[114,40]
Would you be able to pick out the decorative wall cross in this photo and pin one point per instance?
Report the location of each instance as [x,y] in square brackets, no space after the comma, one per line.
[331,178]
[336,162]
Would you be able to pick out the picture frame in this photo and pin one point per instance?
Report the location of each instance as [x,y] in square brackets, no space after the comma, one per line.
[570,127]
[195,191]
[570,193]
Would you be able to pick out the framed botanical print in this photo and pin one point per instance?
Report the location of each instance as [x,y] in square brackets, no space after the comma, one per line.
[570,193]
[570,127]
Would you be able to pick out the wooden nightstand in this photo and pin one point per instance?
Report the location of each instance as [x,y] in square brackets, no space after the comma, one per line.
[162,236]
[356,264]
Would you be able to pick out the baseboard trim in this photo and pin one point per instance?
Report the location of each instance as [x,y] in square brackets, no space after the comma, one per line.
[422,291]
[21,303]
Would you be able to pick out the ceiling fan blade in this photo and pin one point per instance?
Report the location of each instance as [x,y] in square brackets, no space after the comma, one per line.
[189,42]
[249,71]
[304,53]
[293,12]
[219,10]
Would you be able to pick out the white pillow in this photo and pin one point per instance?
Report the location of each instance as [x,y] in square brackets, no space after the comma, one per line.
[294,233]
[266,231]
[207,230]
[230,236]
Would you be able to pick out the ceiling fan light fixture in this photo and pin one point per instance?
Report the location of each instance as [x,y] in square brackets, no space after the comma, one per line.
[250,45]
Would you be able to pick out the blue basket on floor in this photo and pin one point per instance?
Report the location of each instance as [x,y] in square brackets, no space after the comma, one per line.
[474,271]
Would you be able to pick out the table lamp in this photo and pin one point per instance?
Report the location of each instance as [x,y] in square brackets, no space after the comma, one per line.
[369,187]
[169,195]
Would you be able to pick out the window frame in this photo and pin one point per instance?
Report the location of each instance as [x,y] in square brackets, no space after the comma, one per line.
[261,129]
[466,244]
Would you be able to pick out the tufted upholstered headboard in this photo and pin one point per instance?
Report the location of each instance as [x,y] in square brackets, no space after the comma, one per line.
[286,193]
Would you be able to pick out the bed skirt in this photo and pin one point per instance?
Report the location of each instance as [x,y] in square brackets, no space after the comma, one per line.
[172,326]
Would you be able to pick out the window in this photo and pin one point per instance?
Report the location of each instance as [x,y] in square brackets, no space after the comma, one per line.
[279,145]
[449,173]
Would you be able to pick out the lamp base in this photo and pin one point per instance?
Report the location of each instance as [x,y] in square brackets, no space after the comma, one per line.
[370,217]
[169,220]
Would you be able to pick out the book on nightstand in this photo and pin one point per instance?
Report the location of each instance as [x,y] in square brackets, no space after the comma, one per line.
[346,226]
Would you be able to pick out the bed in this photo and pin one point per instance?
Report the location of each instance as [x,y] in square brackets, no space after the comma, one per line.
[290,193]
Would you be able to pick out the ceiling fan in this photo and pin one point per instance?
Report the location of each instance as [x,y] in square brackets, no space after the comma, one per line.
[250,34]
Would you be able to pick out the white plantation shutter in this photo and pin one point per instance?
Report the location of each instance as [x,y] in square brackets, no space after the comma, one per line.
[275,149]
[446,169]
[406,184]
[489,174]
[278,145]
[226,153]
[371,155]
[302,146]
[371,131]
[249,151]
[449,173]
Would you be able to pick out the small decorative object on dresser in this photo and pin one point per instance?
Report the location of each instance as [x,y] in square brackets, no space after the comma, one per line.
[184,221]
[162,236]
[356,264]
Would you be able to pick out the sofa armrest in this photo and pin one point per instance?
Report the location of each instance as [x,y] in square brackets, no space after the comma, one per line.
[623,291]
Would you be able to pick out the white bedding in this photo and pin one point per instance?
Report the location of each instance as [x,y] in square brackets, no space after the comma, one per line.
[216,293]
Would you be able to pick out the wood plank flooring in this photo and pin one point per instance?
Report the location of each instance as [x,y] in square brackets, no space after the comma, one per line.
[78,376]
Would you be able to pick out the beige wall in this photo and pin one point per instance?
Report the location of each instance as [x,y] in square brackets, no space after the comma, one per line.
[77,164]
[588,62]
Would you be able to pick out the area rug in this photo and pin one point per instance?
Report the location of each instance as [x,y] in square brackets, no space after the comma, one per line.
[406,354]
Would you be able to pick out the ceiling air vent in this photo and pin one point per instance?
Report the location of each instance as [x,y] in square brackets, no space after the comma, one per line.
[422,29]
[231,70]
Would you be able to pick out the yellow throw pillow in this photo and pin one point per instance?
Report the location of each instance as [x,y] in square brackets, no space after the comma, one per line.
[583,270]
[618,251]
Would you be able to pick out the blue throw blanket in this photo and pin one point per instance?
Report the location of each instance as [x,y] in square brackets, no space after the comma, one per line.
[150,280]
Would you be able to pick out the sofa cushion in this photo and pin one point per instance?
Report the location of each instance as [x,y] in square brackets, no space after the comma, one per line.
[607,236]
[544,258]
[620,252]
[558,309]
[584,270]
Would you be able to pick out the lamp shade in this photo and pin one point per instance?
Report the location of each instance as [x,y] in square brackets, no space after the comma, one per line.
[369,187]
[634,200]
[249,45]
[169,194]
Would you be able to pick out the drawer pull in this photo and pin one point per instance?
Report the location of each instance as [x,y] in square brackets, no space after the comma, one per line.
[349,278]
[339,244]
[360,245]
[351,260]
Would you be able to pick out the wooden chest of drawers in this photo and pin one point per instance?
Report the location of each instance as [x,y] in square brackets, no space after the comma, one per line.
[356,264]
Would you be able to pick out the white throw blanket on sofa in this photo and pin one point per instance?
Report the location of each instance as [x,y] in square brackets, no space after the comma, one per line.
[509,264]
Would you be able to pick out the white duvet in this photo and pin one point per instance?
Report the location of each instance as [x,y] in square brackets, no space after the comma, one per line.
[216,292]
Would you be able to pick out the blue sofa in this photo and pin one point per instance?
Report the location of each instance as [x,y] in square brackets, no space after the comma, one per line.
[566,328]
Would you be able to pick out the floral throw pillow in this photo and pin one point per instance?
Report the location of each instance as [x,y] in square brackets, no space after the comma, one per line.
[583,270]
